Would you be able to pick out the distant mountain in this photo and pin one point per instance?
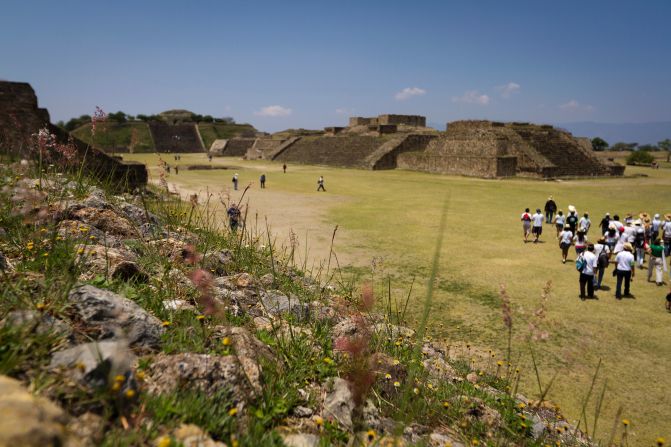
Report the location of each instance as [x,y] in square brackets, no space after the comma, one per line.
[642,133]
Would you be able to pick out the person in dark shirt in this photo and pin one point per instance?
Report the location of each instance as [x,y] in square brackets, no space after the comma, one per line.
[234,216]
[550,210]
[262,180]
[605,222]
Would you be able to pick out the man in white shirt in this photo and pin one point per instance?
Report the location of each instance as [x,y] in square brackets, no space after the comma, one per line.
[565,241]
[624,270]
[537,220]
[666,234]
[585,223]
[587,272]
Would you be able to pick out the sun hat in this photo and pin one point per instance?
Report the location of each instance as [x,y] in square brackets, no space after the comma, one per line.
[567,227]
[644,215]
[571,208]
[612,226]
[628,247]
[608,214]
[656,216]
[667,216]
[637,222]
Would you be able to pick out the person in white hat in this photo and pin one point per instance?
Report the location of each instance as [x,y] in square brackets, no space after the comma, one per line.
[624,270]
[235,181]
[639,243]
[550,209]
[655,225]
[572,218]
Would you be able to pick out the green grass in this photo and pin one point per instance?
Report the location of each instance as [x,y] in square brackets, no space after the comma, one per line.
[117,135]
[395,214]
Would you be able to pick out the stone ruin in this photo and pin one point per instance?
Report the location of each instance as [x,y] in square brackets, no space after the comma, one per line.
[21,118]
[472,148]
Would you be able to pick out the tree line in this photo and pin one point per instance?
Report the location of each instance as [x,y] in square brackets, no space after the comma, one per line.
[122,117]
[639,153]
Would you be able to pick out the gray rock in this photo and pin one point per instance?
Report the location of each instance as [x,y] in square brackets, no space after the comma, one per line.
[27,420]
[300,440]
[139,216]
[86,430]
[94,363]
[274,302]
[346,328]
[4,264]
[112,315]
[303,412]
[43,323]
[189,435]
[199,372]
[339,403]
[218,262]
[392,330]
[439,439]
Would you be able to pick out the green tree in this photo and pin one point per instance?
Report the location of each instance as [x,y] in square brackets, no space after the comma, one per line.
[640,157]
[599,144]
[665,145]
[118,117]
[624,146]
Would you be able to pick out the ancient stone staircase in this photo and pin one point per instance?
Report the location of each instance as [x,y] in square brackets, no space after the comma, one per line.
[175,138]
[334,151]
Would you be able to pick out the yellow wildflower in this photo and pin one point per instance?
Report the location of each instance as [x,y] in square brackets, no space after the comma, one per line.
[328,361]
[370,434]
[661,441]
[119,378]
[396,362]
[30,245]
[165,324]
[387,376]
[40,306]
[164,441]
[200,317]
[139,375]
[318,420]
[116,386]
[233,411]
[226,341]
[397,384]
[499,363]
[625,422]
[130,394]
[446,404]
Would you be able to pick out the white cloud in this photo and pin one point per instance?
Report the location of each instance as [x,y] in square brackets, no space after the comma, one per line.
[509,89]
[575,106]
[472,97]
[273,111]
[409,92]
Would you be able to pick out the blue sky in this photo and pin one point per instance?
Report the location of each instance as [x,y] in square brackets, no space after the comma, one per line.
[280,64]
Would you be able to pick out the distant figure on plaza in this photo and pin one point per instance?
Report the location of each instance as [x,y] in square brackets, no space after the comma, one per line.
[284,168]
[262,180]
[209,157]
[167,168]
[234,216]
[235,181]
[526,224]
[320,184]
[550,209]
[176,169]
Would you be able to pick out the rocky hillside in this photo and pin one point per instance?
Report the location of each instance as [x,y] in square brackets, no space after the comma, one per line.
[129,320]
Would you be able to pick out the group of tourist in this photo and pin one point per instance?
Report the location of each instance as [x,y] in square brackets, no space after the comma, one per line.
[625,243]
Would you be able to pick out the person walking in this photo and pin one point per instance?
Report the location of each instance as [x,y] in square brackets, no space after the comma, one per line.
[565,240]
[580,241]
[657,262]
[587,265]
[602,253]
[625,271]
[235,181]
[176,169]
[550,209]
[234,215]
[572,218]
[284,168]
[560,221]
[526,224]
[262,180]
[537,229]
[655,225]
[320,184]
[639,243]
[605,223]
[585,223]
[666,234]
[611,236]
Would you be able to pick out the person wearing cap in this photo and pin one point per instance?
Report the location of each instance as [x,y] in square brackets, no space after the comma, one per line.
[655,225]
[550,209]
[537,229]
[526,224]
[602,253]
[605,223]
[611,236]
[587,272]
[572,218]
[618,225]
[320,184]
[628,219]
[560,221]
[585,223]
[624,270]
[656,262]
[565,241]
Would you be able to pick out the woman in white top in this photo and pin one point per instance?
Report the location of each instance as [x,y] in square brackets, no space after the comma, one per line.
[580,241]
[565,239]
[560,221]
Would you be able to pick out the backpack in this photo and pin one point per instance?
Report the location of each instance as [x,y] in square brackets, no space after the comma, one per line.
[580,263]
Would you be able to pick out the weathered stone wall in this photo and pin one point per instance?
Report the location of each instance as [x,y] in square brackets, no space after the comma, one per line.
[457,165]
[361,121]
[385,157]
[20,118]
[408,120]
[262,148]
[333,151]
[179,138]
[235,147]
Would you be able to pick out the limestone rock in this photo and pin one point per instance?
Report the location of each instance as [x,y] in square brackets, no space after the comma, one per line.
[117,263]
[393,331]
[105,220]
[300,440]
[170,247]
[201,372]
[137,215]
[247,349]
[42,322]
[94,363]
[339,403]
[218,262]
[437,368]
[440,439]
[346,328]
[86,430]
[302,412]
[108,314]
[189,435]
[27,420]
[274,302]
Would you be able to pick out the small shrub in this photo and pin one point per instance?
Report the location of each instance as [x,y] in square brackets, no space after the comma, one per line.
[640,157]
